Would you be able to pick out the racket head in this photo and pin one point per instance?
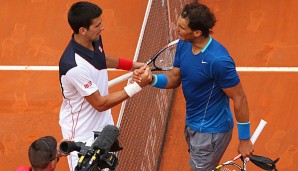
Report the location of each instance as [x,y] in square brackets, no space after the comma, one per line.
[230,167]
[163,60]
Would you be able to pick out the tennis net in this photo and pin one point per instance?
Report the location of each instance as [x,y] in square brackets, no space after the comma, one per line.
[143,118]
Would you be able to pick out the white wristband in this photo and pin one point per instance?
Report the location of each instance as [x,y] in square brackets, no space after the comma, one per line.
[132,89]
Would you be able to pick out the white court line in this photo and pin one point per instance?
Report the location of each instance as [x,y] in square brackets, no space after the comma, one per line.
[33,68]
[56,68]
[267,69]
[29,68]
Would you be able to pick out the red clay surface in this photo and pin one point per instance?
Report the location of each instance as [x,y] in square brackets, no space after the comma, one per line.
[257,33]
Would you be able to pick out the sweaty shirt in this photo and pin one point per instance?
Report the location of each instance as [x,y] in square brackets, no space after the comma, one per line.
[203,77]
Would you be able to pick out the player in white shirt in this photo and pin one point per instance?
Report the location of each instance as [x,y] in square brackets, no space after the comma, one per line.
[84,78]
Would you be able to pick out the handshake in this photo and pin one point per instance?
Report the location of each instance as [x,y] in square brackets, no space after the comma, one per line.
[142,76]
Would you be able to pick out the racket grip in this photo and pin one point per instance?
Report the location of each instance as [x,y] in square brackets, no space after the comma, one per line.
[254,136]
[119,79]
[258,131]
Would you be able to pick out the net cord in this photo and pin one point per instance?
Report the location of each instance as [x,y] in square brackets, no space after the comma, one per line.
[148,8]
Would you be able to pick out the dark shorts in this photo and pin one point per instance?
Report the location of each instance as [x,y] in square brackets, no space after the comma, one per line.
[205,149]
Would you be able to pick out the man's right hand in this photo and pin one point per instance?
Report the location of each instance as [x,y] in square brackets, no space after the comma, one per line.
[143,76]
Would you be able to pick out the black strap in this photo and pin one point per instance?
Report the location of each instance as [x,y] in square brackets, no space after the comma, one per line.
[264,162]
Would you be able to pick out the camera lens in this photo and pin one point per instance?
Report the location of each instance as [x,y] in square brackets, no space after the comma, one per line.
[69,146]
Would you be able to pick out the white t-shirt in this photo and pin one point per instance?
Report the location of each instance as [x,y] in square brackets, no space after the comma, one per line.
[78,119]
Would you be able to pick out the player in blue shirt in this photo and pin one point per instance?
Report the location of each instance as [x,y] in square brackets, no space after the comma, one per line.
[209,80]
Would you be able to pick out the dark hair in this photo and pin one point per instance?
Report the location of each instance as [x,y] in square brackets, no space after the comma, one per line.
[42,151]
[200,17]
[81,14]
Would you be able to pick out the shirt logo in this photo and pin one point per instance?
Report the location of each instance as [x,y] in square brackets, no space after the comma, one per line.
[204,62]
[89,84]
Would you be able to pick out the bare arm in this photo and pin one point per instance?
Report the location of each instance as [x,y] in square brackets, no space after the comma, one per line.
[113,62]
[102,103]
[238,96]
[236,93]
[174,78]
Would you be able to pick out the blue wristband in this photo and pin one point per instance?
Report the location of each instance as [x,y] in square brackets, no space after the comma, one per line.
[243,130]
[155,80]
[160,81]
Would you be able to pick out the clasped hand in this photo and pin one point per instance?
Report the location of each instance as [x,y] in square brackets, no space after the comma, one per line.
[143,76]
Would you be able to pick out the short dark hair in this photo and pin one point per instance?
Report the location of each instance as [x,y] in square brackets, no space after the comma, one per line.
[42,151]
[81,14]
[200,17]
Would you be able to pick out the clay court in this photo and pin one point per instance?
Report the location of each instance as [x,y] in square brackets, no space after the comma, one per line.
[256,33]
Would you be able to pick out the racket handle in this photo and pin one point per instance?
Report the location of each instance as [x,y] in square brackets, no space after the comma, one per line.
[119,79]
[254,136]
[258,131]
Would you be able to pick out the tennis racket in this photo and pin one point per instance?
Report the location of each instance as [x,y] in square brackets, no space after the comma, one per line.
[230,165]
[161,61]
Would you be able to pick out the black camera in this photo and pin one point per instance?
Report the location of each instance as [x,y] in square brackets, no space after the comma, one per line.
[98,155]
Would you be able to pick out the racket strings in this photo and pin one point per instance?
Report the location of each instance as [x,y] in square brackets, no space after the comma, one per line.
[165,59]
[227,169]
[230,167]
